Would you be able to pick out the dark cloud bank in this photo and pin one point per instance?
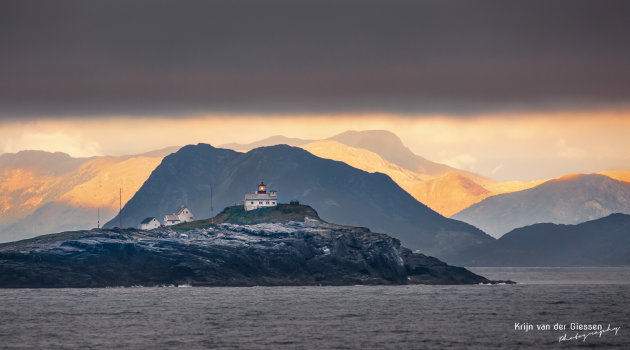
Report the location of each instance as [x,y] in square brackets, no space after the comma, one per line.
[143,57]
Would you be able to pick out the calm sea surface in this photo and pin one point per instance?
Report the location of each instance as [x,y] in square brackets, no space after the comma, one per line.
[358,317]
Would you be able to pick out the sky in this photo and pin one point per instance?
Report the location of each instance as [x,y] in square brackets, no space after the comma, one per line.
[516,90]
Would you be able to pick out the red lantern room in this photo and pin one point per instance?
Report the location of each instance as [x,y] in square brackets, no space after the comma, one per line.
[262,188]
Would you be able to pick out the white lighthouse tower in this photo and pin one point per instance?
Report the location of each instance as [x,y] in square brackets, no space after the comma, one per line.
[260,198]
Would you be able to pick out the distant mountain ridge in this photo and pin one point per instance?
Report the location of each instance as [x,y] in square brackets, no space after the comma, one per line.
[270,141]
[41,162]
[389,146]
[384,143]
[43,192]
[447,193]
[337,191]
[365,160]
[600,242]
[570,199]
[620,175]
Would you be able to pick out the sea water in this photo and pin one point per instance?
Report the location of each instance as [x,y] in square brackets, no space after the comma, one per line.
[352,317]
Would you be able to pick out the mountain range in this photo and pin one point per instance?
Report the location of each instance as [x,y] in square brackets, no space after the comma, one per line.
[444,189]
[42,192]
[571,199]
[339,192]
[384,143]
[601,242]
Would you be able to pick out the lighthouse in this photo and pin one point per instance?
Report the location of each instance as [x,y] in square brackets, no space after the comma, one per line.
[261,198]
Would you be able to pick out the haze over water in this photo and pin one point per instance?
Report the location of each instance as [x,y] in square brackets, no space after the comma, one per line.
[355,317]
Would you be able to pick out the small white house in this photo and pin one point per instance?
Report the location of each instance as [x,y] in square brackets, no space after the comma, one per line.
[182,214]
[149,224]
[260,198]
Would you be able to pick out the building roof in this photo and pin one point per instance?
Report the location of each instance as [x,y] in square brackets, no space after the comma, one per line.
[147,220]
[180,210]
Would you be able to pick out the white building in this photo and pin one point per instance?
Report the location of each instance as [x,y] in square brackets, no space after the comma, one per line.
[182,214]
[260,199]
[149,224]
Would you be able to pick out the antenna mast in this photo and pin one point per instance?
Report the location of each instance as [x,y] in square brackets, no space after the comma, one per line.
[120,208]
[98,220]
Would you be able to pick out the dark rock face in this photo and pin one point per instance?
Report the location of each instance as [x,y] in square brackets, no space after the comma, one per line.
[340,193]
[310,252]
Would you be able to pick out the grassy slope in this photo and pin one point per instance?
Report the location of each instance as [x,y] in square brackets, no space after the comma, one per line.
[237,215]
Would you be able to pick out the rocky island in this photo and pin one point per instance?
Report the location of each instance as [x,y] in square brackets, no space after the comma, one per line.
[283,245]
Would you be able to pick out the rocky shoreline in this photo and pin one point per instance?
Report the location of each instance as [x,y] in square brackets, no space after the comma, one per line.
[308,252]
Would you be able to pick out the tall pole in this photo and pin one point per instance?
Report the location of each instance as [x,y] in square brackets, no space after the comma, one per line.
[120,208]
[100,189]
[211,206]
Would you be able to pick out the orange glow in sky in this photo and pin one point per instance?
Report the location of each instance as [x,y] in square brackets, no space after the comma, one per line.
[505,147]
